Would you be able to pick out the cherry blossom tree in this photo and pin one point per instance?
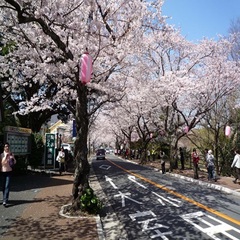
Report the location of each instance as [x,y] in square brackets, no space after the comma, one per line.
[177,83]
[100,132]
[207,76]
[52,35]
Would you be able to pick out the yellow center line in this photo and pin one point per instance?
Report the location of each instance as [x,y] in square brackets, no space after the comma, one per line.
[222,215]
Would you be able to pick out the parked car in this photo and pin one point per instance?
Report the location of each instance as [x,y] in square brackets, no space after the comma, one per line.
[100,154]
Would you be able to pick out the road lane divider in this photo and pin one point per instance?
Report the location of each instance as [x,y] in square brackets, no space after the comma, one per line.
[170,191]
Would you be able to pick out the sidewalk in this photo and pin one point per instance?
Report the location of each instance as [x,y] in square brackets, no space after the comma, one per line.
[41,219]
[224,184]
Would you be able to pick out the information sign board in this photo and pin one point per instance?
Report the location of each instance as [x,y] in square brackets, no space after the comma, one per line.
[19,139]
[50,149]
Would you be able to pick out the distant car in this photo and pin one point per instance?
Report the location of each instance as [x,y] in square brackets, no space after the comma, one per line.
[100,154]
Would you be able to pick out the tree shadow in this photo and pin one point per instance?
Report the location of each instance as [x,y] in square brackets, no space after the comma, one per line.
[20,202]
[37,180]
[46,223]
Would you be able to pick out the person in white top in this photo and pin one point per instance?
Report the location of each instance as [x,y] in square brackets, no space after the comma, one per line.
[7,162]
[61,160]
[236,164]
[211,166]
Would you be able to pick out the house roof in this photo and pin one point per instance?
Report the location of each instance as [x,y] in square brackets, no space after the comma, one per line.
[56,125]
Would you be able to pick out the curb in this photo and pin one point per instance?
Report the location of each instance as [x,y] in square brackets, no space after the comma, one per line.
[108,227]
[97,219]
[210,185]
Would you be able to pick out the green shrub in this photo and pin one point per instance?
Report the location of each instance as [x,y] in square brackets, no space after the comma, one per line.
[90,203]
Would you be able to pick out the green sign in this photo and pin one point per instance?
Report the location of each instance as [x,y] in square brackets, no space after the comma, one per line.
[50,149]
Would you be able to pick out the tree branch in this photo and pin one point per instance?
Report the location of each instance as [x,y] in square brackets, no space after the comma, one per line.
[21,12]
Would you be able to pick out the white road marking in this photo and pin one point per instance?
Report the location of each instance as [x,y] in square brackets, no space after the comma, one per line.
[125,195]
[133,179]
[105,167]
[145,224]
[169,200]
[108,179]
[213,225]
[141,214]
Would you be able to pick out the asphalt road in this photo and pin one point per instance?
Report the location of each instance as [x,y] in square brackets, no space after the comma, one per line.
[149,205]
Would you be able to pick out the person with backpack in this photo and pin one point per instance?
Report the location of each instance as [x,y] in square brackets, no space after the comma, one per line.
[210,166]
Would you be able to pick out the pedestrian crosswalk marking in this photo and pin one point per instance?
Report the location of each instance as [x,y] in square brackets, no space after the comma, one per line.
[213,225]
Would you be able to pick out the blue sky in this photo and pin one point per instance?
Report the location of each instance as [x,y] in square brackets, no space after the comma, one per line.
[202,18]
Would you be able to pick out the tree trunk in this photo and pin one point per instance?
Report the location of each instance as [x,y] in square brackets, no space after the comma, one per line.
[80,153]
[173,154]
[215,151]
[1,106]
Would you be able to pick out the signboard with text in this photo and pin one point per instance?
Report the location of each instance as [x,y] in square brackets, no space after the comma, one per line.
[19,139]
[50,149]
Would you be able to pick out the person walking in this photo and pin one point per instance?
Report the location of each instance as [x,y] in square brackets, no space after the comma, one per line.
[148,155]
[162,157]
[236,164]
[66,162]
[181,158]
[195,160]
[61,160]
[7,162]
[210,166]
